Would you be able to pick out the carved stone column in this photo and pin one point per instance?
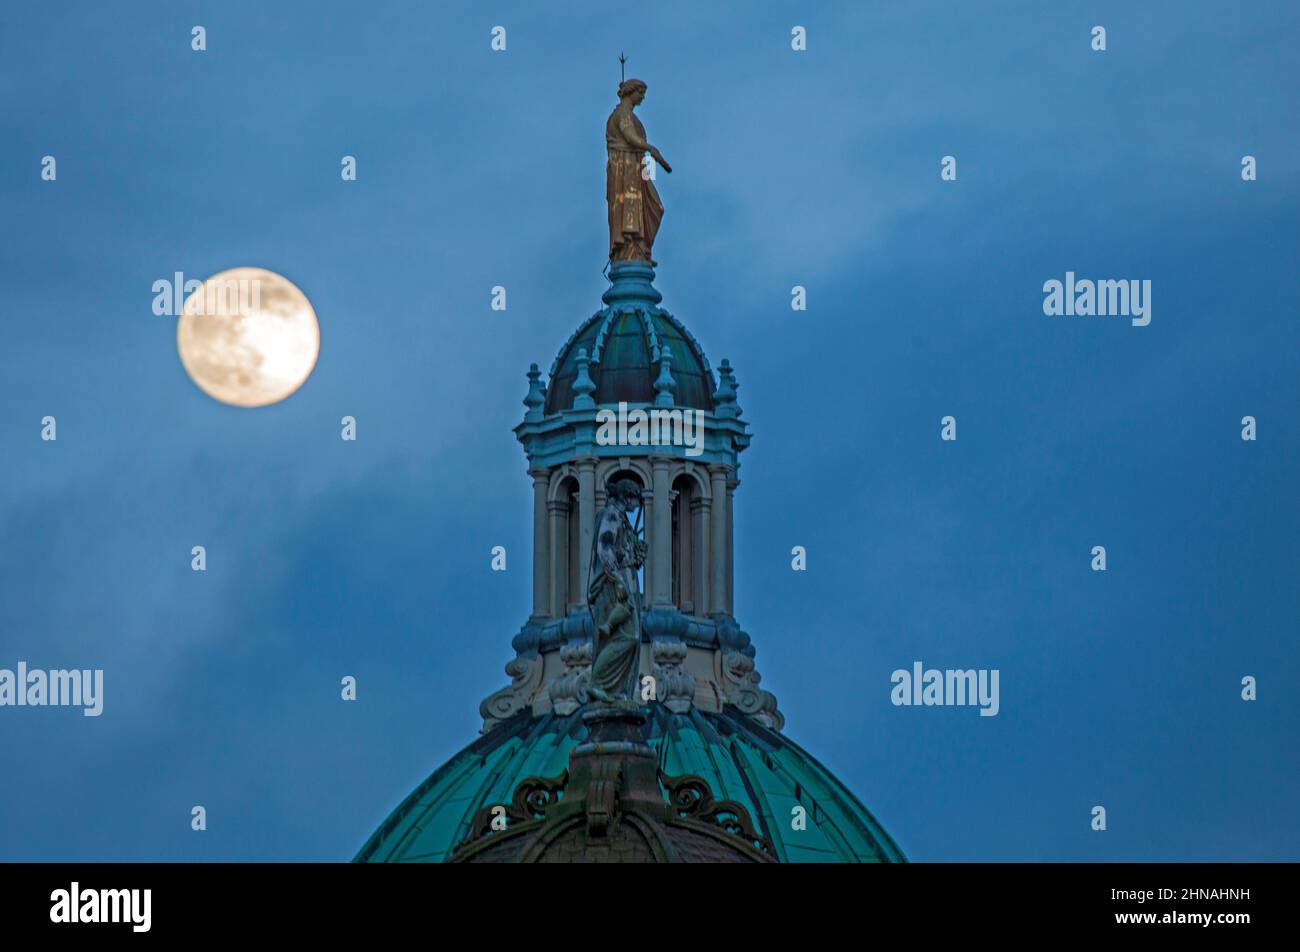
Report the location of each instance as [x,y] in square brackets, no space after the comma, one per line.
[648,527]
[541,548]
[699,554]
[586,521]
[718,547]
[732,483]
[559,527]
[661,548]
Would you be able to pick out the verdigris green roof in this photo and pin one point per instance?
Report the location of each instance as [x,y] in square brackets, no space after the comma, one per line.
[622,345]
[760,769]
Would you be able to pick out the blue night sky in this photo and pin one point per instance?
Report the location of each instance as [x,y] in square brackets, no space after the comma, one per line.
[328,558]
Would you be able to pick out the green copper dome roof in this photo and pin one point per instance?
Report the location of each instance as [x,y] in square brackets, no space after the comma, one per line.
[624,347]
[741,760]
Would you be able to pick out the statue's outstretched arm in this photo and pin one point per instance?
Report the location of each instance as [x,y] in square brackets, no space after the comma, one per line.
[628,128]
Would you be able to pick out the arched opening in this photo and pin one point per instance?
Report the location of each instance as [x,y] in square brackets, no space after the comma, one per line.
[688,557]
[640,520]
[577,597]
[566,560]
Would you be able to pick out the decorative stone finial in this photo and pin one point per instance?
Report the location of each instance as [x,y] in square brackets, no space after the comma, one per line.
[665,385]
[583,387]
[536,397]
[724,398]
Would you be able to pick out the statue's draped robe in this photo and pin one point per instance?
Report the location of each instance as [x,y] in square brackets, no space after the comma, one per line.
[634,207]
[614,561]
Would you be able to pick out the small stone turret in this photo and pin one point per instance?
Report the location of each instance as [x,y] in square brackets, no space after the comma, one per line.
[631,395]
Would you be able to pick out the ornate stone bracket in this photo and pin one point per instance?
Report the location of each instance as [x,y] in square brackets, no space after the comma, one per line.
[568,692]
[739,682]
[674,685]
[526,677]
[602,796]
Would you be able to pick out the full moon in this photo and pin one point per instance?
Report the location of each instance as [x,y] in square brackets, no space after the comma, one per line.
[248,337]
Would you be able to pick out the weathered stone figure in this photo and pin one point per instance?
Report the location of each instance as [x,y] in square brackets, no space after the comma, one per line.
[613,595]
[634,207]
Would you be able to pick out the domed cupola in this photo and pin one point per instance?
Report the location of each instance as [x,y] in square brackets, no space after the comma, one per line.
[632,397]
[624,343]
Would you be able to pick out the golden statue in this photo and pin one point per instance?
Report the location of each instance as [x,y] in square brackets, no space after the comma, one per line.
[634,207]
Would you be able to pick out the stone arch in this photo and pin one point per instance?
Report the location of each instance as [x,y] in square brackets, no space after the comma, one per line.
[566,556]
[695,472]
[639,471]
[557,478]
[608,468]
[689,553]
